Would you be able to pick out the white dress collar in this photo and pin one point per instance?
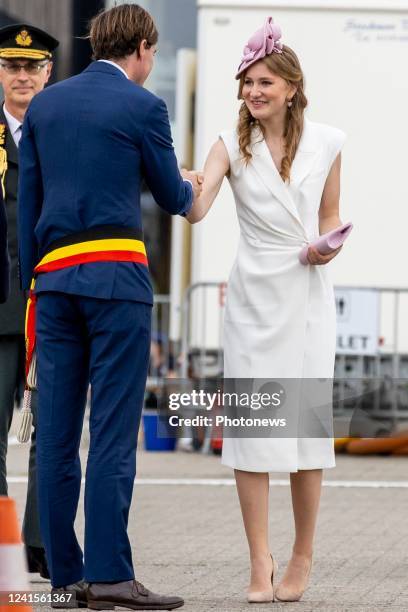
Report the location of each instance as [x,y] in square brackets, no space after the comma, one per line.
[267,171]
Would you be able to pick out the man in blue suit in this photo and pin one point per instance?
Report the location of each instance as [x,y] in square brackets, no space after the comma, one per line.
[4,258]
[87,143]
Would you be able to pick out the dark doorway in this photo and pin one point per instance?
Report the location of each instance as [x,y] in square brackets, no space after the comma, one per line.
[82,13]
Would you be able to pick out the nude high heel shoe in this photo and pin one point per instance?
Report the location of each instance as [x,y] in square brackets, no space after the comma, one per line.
[264,596]
[283,593]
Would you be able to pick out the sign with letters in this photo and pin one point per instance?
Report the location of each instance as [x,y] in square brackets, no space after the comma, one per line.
[358,321]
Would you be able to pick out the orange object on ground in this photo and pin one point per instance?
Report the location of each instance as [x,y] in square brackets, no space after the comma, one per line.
[368,446]
[401,450]
[216,444]
[9,527]
[340,444]
[13,569]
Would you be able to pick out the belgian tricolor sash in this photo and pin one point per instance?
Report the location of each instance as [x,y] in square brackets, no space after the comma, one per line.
[98,244]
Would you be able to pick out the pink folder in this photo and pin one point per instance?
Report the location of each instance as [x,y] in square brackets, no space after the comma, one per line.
[327,243]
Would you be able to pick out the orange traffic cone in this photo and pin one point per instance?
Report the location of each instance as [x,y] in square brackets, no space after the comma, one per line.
[13,570]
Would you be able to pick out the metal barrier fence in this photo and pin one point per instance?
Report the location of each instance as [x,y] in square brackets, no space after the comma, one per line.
[201,338]
[381,375]
[161,357]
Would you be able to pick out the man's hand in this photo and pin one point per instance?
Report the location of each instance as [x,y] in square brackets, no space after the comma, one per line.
[317,259]
[196,178]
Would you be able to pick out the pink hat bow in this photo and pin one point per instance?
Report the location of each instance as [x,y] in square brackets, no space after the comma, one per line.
[263,42]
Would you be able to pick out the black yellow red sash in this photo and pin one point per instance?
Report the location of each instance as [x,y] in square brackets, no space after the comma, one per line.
[98,244]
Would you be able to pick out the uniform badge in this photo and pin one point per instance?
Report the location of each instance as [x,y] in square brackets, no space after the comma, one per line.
[24,39]
[3,158]
[2,134]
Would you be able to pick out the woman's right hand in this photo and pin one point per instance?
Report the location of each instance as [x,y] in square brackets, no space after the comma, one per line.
[215,168]
[196,179]
[317,259]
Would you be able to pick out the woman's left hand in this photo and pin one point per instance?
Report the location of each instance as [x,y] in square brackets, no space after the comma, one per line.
[317,259]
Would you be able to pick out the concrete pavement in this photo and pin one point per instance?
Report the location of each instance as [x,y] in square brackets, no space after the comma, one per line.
[188,539]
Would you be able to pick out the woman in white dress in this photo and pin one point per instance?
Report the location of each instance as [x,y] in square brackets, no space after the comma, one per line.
[280,316]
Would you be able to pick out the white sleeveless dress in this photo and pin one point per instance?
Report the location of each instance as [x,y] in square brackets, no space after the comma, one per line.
[280,315]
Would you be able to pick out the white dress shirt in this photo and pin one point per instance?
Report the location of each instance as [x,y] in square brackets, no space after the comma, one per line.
[15,126]
[116,66]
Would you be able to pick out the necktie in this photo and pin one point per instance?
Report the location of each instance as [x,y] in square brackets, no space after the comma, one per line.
[17,135]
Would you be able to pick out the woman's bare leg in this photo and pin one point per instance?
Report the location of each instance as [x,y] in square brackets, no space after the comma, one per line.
[253,492]
[306,488]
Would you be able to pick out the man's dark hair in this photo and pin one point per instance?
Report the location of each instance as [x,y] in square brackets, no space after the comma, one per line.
[119,31]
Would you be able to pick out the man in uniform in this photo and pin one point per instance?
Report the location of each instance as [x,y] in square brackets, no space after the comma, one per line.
[25,67]
[87,143]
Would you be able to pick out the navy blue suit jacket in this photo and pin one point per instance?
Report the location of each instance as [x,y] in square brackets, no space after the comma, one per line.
[87,143]
[4,259]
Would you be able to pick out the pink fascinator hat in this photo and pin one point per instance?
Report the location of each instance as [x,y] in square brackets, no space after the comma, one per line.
[263,42]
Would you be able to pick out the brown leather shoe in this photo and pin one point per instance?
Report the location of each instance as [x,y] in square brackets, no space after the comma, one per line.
[131,594]
[78,592]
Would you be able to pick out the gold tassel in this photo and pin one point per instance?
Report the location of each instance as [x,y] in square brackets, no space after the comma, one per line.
[3,168]
[32,373]
[3,158]
[26,425]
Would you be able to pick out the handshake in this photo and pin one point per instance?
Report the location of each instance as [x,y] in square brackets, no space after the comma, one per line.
[196,179]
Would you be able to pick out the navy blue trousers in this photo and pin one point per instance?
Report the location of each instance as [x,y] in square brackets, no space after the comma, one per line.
[106,343]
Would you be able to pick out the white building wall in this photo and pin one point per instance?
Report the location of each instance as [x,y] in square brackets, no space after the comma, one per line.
[354,58]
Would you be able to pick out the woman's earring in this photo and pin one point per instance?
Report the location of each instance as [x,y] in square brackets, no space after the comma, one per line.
[290,104]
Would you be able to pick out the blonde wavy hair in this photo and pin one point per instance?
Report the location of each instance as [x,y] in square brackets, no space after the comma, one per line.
[287,66]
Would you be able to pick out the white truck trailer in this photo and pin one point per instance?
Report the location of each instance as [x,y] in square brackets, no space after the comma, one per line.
[354,54]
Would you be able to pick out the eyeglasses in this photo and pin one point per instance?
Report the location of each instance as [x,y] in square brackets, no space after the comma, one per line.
[30,67]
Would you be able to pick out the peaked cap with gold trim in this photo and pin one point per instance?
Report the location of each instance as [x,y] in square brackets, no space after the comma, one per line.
[22,41]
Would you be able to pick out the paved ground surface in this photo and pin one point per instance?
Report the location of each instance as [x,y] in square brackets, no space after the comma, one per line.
[188,538]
